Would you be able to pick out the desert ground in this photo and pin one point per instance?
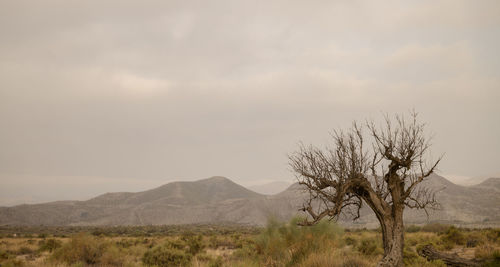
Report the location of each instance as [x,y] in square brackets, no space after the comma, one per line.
[277,244]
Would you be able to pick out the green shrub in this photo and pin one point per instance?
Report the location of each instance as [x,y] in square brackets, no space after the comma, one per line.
[168,254]
[453,236]
[194,243]
[413,229]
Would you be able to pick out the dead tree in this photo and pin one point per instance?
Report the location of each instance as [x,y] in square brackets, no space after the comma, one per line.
[383,173]
[453,260]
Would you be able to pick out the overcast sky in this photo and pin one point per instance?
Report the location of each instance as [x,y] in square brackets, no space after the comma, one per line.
[100,96]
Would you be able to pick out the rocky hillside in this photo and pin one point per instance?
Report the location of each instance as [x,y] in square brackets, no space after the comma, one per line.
[218,200]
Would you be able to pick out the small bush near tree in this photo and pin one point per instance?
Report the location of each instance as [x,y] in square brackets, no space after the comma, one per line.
[289,243]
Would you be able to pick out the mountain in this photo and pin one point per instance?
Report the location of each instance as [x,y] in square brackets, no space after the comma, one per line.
[270,188]
[203,201]
[479,179]
[219,200]
[211,190]
[462,204]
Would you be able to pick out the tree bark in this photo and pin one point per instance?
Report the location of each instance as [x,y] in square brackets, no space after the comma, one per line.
[393,239]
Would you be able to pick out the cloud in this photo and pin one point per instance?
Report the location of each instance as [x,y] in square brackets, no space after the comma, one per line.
[139,86]
[184,90]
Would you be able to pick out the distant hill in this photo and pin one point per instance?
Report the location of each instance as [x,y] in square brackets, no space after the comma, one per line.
[271,188]
[479,179]
[219,200]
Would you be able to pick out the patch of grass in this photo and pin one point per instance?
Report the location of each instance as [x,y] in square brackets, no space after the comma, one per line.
[289,243]
[217,262]
[486,252]
[49,245]
[370,246]
[4,254]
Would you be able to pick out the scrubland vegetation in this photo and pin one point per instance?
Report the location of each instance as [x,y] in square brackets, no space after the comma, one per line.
[278,244]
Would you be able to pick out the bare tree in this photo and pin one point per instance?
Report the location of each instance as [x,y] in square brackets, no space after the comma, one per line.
[383,173]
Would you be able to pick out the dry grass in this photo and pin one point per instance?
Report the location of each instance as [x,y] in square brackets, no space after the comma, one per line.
[277,245]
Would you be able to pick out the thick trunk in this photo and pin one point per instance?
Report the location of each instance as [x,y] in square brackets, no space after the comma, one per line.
[393,239]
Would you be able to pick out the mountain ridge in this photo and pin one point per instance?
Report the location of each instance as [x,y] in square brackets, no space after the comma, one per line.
[219,199]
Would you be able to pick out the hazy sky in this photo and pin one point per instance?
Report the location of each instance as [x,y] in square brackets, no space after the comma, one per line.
[100,96]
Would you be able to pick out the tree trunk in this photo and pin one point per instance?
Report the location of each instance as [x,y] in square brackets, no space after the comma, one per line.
[393,239]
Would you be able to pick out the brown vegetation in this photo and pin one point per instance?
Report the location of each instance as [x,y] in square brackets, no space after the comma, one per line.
[278,244]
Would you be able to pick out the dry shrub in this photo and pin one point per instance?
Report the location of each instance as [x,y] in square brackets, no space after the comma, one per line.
[414,239]
[112,257]
[489,254]
[4,255]
[370,245]
[350,241]
[81,248]
[24,251]
[485,252]
[493,235]
[322,259]
[50,244]
[224,241]
[454,235]
[412,259]
[87,249]
[287,244]
[9,260]
[12,263]
[475,239]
